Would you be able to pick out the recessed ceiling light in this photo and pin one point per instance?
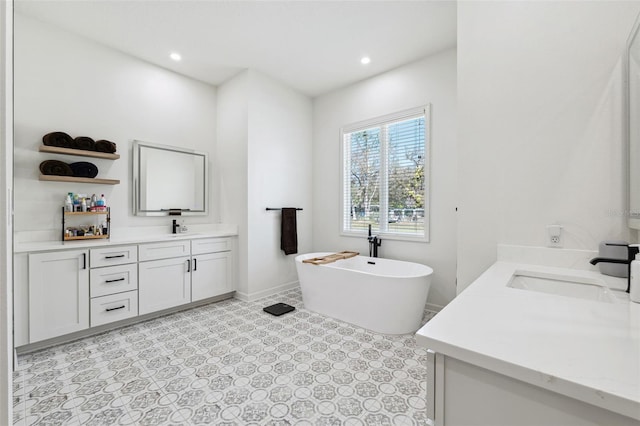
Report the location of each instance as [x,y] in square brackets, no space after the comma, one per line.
[365,60]
[175,56]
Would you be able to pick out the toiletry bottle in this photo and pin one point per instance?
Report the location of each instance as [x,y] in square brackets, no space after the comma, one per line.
[634,280]
[103,201]
[68,204]
[84,204]
[94,200]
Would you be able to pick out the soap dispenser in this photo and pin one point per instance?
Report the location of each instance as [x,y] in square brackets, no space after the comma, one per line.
[634,280]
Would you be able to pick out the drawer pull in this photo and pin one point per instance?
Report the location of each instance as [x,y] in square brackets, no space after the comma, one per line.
[114,257]
[195,264]
[116,308]
[113,281]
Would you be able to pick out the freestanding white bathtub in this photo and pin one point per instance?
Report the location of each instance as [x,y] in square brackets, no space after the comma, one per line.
[382,295]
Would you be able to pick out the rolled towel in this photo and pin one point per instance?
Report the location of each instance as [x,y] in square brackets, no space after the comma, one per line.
[84,142]
[105,146]
[59,139]
[84,169]
[56,168]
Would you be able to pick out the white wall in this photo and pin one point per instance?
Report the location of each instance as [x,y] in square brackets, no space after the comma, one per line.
[6,235]
[68,83]
[232,147]
[264,137]
[540,125]
[430,80]
[279,170]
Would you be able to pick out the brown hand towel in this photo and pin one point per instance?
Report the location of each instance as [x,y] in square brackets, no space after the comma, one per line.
[289,237]
[59,139]
[56,168]
[84,142]
[84,169]
[104,145]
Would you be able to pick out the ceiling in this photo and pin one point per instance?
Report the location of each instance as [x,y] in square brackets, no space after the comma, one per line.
[313,46]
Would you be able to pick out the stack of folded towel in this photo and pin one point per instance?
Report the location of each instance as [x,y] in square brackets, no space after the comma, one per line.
[63,140]
[60,168]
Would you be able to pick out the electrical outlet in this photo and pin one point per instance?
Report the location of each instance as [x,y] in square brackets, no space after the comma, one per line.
[554,236]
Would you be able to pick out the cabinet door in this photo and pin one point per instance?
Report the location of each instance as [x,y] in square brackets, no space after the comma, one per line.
[211,275]
[164,284]
[58,293]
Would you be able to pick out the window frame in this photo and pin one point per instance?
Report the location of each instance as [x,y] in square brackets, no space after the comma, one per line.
[380,121]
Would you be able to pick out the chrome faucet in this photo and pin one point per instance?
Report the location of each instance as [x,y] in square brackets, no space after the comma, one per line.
[174,226]
[632,250]
[374,243]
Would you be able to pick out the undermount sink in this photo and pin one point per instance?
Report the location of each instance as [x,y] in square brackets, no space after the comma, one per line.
[562,285]
[183,234]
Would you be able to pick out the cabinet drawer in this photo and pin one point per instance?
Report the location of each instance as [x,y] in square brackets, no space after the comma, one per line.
[112,308]
[164,250]
[210,245]
[113,279]
[113,256]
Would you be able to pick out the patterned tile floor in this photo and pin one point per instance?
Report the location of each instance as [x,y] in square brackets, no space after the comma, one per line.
[227,363]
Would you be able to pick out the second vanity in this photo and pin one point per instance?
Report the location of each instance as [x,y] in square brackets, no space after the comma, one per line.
[64,291]
[511,352]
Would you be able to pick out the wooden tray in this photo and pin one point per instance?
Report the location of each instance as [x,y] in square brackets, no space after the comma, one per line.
[330,258]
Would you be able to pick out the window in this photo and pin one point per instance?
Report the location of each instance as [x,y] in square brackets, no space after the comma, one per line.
[385,176]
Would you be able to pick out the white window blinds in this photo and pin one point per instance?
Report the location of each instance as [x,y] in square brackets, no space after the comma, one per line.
[385,175]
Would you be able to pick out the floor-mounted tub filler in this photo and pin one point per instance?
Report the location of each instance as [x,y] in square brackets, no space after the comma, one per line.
[381,295]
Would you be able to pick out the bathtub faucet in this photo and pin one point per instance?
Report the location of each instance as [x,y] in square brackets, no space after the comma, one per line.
[374,243]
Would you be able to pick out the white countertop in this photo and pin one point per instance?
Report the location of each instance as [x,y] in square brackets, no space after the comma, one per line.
[584,349]
[131,237]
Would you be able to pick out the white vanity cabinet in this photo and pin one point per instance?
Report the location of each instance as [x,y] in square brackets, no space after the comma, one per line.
[165,280]
[211,272]
[58,293]
[59,290]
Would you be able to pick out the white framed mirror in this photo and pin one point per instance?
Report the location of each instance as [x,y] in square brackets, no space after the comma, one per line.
[169,178]
[633,123]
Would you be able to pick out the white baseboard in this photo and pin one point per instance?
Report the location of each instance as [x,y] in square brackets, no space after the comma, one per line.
[250,297]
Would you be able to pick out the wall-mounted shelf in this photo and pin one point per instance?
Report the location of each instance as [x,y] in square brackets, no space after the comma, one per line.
[84,213]
[78,152]
[53,178]
[104,236]
[90,237]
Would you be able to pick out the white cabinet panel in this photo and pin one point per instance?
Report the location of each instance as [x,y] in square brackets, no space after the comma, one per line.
[58,293]
[113,279]
[113,308]
[164,284]
[164,250]
[108,256]
[210,245]
[211,276]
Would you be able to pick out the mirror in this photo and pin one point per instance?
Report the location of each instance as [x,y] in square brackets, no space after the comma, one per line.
[168,178]
[633,124]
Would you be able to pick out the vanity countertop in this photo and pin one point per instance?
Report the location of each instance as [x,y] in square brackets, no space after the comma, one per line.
[125,238]
[583,349]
